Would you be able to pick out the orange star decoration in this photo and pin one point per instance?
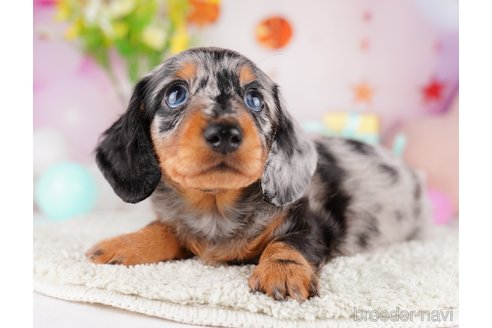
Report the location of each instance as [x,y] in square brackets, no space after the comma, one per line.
[363,93]
[433,91]
[203,12]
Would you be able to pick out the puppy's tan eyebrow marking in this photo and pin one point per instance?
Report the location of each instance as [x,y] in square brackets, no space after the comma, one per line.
[246,75]
[187,71]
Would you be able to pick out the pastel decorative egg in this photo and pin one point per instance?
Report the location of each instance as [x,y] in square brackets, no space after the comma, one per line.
[65,190]
[50,147]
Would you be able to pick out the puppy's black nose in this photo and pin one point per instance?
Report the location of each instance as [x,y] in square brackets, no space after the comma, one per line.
[223,137]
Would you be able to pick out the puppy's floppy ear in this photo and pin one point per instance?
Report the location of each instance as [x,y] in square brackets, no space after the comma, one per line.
[125,154]
[291,162]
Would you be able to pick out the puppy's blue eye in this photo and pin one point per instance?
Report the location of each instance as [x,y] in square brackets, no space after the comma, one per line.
[253,100]
[176,96]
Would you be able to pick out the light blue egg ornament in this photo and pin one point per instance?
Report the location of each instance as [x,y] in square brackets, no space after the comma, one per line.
[65,190]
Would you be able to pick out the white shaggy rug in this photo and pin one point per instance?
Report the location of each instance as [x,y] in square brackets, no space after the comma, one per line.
[414,283]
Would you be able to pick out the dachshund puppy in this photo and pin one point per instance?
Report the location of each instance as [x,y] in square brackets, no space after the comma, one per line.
[233,180]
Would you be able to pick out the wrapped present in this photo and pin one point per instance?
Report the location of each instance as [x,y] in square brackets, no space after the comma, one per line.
[357,126]
[351,125]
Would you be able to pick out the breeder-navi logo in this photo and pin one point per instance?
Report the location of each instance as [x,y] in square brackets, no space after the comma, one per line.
[403,315]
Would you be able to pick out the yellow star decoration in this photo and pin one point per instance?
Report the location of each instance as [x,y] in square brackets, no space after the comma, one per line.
[363,93]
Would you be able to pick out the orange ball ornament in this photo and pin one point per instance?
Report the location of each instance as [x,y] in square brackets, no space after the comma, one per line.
[274,32]
[203,12]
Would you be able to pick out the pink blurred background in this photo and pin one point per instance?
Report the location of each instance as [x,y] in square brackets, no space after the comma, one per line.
[395,59]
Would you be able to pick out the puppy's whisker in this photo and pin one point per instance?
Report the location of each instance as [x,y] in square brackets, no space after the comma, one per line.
[181,145]
[283,162]
[272,56]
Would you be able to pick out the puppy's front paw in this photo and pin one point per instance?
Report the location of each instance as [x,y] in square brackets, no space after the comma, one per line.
[284,274]
[152,244]
[118,250]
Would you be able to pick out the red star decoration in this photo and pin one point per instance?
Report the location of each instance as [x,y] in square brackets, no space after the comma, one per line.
[367,16]
[433,90]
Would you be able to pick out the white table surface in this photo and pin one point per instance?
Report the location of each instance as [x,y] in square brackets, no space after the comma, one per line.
[54,313]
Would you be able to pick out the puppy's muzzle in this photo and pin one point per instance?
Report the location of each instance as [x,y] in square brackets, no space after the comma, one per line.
[223,138]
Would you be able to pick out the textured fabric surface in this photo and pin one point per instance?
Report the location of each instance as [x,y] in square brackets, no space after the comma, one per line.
[413,276]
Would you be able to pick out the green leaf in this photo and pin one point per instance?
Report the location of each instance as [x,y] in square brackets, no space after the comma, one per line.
[124,47]
[142,16]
